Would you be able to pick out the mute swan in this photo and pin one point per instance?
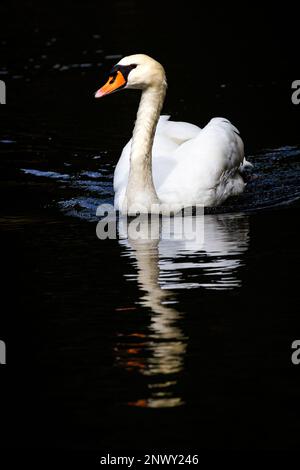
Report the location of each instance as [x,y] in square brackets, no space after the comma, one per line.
[166,163]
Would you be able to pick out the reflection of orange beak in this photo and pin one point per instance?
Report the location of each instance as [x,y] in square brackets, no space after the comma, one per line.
[113,84]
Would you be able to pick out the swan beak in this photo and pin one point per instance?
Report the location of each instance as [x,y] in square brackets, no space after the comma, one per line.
[114,83]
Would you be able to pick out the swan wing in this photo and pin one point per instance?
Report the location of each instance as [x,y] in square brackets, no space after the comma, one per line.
[207,168]
[176,131]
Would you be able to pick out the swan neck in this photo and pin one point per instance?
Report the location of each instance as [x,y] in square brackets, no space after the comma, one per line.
[147,117]
[140,188]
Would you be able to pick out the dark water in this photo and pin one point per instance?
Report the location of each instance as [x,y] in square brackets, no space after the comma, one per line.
[116,344]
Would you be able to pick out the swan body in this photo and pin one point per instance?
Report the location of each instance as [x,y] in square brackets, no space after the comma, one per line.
[170,164]
[190,165]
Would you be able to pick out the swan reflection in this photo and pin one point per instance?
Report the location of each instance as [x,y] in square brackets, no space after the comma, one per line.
[163,266]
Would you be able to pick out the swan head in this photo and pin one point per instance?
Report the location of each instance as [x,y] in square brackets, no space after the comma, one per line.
[137,71]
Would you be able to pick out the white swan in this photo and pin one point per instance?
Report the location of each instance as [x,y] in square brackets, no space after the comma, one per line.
[166,163]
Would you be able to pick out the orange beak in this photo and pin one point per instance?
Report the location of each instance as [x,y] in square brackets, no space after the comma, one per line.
[114,83]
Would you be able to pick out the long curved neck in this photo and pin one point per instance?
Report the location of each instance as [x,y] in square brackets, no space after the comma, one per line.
[140,188]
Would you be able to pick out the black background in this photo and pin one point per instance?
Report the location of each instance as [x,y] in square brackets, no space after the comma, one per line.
[252,48]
